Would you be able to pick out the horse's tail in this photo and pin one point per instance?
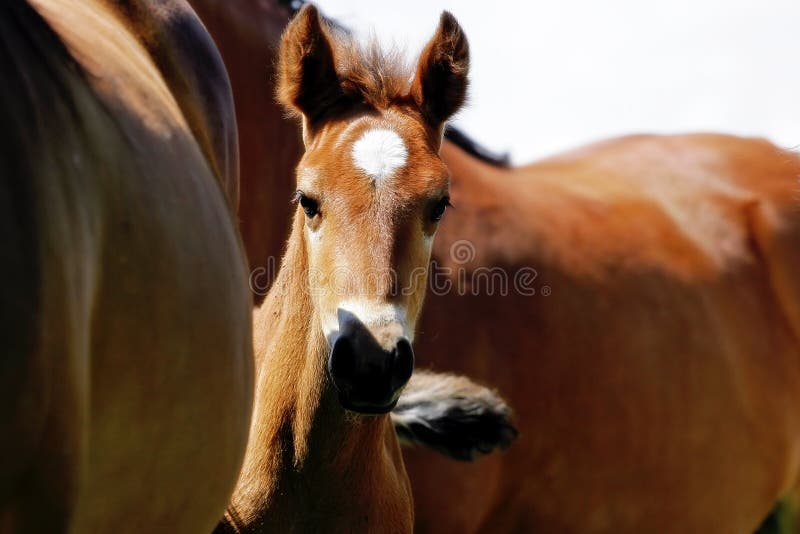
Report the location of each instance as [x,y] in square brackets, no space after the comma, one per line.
[452,415]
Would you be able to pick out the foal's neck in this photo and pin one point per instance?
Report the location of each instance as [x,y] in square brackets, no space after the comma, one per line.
[309,462]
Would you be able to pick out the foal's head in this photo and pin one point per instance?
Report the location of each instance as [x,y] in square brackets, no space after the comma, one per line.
[371,189]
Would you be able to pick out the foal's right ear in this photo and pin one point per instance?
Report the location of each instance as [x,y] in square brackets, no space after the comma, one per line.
[307,79]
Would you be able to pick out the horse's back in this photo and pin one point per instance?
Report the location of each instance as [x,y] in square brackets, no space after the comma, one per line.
[129,310]
[696,209]
[690,193]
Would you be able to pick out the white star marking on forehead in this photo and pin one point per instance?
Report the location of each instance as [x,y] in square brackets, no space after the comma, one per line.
[379,153]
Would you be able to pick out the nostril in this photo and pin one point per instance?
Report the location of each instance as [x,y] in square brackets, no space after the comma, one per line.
[342,363]
[403,363]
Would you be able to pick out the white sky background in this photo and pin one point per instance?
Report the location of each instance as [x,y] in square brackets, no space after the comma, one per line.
[551,75]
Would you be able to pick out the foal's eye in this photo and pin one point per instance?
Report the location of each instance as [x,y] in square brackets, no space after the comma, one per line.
[438,209]
[309,205]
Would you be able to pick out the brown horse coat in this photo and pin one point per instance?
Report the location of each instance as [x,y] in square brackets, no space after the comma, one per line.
[128,351]
[657,384]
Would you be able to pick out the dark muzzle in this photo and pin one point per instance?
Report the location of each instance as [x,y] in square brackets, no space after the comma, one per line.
[368,376]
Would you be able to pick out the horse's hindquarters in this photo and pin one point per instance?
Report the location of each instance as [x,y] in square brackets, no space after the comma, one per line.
[171,353]
[133,400]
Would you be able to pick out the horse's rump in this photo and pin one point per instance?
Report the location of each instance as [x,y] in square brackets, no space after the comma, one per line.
[126,299]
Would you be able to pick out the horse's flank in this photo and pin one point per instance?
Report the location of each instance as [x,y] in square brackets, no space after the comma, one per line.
[676,324]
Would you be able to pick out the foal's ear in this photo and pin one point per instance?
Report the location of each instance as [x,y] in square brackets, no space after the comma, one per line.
[440,84]
[307,79]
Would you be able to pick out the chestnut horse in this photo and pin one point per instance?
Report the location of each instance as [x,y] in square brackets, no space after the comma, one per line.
[656,386]
[333,337]
[655,369]
[118,152]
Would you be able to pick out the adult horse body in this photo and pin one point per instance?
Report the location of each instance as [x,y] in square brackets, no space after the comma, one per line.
[657,386]
[128,351]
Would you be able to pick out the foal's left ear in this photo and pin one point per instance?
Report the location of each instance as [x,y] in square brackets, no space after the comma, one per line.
[440,84]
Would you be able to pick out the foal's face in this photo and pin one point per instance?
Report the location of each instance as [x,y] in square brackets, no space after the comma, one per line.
[371,189]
